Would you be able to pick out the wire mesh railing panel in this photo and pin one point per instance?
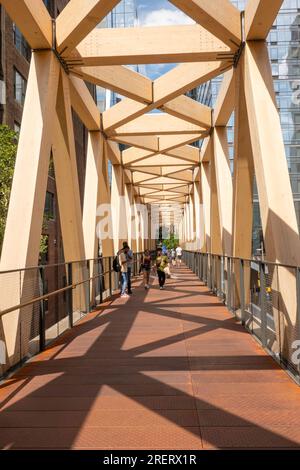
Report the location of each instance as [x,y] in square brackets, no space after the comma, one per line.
[39,304]
[263,296]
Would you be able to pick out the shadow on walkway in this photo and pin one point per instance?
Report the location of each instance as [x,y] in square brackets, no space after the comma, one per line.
[162,370]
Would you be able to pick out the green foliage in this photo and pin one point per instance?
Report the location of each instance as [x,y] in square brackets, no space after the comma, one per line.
[171,242]
[8,151]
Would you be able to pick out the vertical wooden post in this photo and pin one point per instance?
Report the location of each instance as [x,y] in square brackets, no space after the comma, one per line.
[206,194]
[243,181]
[118,207]
[21,242]
[275,194]
[224,186]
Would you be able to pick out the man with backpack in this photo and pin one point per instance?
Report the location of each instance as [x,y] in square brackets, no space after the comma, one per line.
[122,258]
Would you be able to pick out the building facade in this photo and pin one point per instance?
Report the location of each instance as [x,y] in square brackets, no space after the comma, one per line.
[284,50]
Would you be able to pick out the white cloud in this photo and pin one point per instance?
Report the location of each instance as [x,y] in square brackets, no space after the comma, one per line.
[166,17]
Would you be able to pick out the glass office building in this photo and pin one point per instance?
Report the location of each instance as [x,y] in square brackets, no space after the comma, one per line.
[124,15]
[284,50]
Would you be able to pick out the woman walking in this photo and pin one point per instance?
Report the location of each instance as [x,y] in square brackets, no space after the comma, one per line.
[161,263]
[146,268]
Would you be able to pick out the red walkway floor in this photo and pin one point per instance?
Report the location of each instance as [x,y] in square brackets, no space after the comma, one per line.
[163,370]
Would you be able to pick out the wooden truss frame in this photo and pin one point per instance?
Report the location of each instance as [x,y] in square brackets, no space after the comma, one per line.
[160,164]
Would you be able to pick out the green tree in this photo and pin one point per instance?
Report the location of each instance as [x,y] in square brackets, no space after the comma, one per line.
[8,151]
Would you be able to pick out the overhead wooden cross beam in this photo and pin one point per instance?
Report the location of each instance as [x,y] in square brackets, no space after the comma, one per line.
[33,20]
[151,45]
[77,19]
[84,105]
[119,79]
[224,106]
[153,124]
[219,17]
[259,18]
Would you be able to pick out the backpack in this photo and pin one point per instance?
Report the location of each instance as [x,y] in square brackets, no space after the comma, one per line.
[116,264]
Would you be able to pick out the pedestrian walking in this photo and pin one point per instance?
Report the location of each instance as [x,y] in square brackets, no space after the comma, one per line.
[179,255]
[161,263]
[146,268]
[173,257]
[122,254]
[129,256]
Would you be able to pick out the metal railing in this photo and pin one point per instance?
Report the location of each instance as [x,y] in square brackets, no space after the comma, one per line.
[264,296]
[45,301]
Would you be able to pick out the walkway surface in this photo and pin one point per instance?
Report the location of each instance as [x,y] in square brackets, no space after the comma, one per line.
[163,370]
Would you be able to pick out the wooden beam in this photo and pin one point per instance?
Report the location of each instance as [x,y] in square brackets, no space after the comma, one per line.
[165,180]
[165,89]
[206,194]
[186,175]
[191,110]
[33,20]
[21,244]
[170,142]
[224,106]
[66,176]
[215,229]
[119,79]
[219,17]
[140,177]
[151,170]
[159,160]
[277,209]
[151,45]
[154,124]
[206,150]
[133,154]
[25,214]
[259,17]
[224,186]
[77,19]
[169,170]
[118,203]
[184,78]
[84,105]
[113,152]
[276,201]
[148,142]
[96,193]
[243,176]
[185,152]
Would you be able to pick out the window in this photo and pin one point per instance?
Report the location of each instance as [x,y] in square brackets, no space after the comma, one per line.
[21,43]
[49,206]
[19,87]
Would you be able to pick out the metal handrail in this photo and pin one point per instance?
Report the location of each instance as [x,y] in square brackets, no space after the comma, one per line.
[50,294]
[55,265]
[255,303]
[251,260]
[58,291]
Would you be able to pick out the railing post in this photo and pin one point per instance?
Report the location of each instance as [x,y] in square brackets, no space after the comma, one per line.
[42,311]
[229,283]
[242,291]
[101,278]
[109,276]
[263,313]
[70,295]
[88,286]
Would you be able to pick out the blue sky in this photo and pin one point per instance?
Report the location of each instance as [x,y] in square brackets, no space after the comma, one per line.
[159,13]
